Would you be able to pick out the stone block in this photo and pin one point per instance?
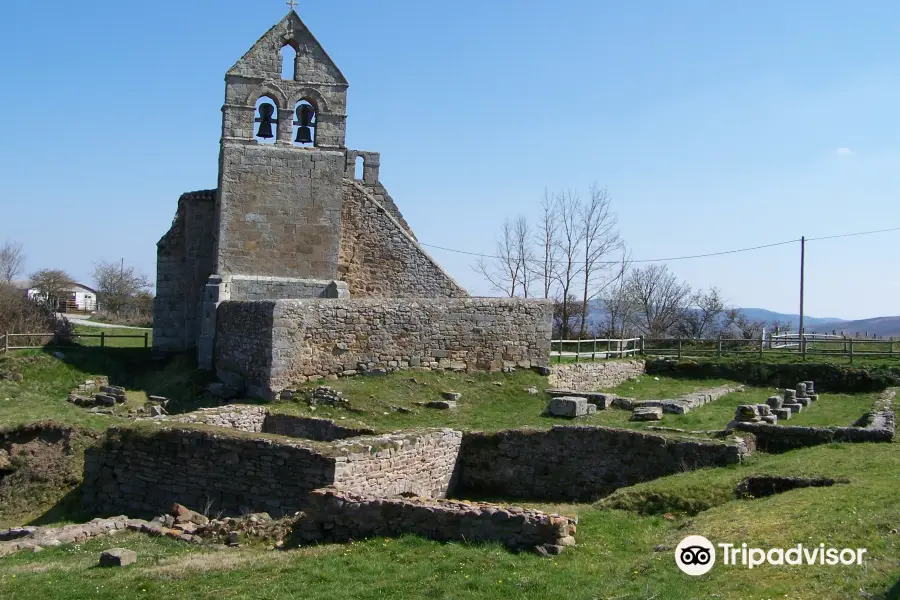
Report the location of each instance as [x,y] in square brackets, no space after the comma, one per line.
[569,407]
[452,396]
[775,402]
[770,419]
[794,407]
[790,395]
[804,401]
[783,413]
[105,400]
[647,413]
[747,413]
[810,387]
[801,390]
[117,557]
[764,410]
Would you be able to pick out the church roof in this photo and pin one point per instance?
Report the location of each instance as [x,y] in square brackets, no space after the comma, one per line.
[263,60]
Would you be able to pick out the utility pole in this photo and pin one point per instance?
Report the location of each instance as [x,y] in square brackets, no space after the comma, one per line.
[802,283]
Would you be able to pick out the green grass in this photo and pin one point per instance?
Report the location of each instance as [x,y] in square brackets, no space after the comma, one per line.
[112,337]
[614,558]
[650,387]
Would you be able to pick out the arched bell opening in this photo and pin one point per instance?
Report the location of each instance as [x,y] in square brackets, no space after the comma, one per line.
[304,133]
[359,171]
[288,62]
[265,129]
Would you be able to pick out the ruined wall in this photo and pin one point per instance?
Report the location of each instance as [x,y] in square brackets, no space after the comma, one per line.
[244,345]
[279,211]
[379,257]
[589,377]
[141,472]
[278,288]
[419,463]
[336,516]
[185,260]
[324,430]
[315,338]
[578,463]
[783,438]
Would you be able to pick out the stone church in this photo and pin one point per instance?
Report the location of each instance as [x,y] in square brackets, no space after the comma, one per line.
[292,217]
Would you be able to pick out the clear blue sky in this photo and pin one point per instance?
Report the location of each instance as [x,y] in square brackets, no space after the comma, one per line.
[714,125]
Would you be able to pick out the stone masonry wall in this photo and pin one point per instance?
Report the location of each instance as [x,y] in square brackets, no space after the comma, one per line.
[380,258]
[336,516]
[279,211]
[579,463]
[589,377]
[244,344]
[185,260]
[417,463]
[142,472]
[316,338]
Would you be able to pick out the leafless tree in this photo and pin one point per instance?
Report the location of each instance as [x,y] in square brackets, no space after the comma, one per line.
[52,285]
[118,285]
[749,329]
[599,239]
[524,245]
[568,243]
[12,260]
[702,319]
[616,303]
[547,232]
[659,300]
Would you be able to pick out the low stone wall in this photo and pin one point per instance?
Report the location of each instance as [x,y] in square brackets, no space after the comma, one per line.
[141,471]
[588,377]
[879,425]
[323,430]
[336,516]
[419,463]
[265,347]
[258,419]
[579,463]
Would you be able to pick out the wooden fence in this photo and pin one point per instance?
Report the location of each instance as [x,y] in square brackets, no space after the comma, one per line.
[31,341]
[819,345]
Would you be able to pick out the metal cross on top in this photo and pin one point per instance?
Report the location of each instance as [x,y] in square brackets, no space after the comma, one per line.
[292,4]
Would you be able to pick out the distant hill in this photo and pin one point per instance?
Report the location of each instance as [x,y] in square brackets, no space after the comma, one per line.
[792,320]
[879,326]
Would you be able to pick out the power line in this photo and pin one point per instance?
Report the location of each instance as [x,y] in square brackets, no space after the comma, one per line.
[845,235]
[675,258]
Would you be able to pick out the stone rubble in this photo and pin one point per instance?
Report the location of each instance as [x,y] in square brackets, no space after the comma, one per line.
[570,407]
[118,557]
[647,413]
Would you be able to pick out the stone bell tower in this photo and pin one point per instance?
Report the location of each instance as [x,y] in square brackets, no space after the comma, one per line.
[281,168]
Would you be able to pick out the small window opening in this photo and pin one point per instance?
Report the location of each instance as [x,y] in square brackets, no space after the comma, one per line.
[266,121]
[360,171]
[305,124]
[288,62]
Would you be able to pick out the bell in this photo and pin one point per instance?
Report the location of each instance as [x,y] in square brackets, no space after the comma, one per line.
[265,121]
[305,115]
[304,135]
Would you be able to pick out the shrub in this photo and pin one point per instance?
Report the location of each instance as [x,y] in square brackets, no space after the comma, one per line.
[18,314]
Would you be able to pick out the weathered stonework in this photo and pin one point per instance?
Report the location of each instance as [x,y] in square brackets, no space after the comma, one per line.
[589,377]
[579,463]
[336,516]
[143,472]
[266,347]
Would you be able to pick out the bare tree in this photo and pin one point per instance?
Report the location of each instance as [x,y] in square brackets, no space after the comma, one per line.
[12,260]
[702,319]
[659,300]
[523,238]
[568,243]
[749,329]
[599,239]
[52,285]
[547,231]
[616,303]
[509,270]
[118,285]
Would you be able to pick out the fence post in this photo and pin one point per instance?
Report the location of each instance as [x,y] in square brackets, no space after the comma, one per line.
[103,339]
[851,351]
[719,347]
[762,341]
[642,346]
[803,345]
[6,343]
[679,348]
[578,350]
[146,340]
[594,353]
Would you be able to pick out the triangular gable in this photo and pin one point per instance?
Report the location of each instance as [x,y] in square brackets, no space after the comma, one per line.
[263,60]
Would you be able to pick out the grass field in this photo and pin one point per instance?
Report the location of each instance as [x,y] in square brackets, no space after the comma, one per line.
[625,541]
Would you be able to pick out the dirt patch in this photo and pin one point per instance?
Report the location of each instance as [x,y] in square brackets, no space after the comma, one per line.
[762,486]
[39,465]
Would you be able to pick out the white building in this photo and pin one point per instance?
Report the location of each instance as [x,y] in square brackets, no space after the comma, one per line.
[77,298]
